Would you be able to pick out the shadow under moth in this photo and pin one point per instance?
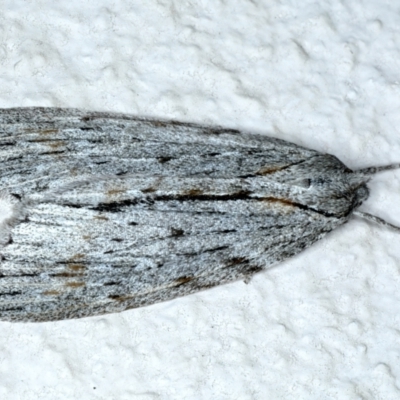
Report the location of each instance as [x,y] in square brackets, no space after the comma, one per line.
[103,212]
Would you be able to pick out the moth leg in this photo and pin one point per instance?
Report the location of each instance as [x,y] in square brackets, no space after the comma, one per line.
[247,279]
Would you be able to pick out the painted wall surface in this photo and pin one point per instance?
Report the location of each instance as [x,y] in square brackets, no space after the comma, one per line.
[323,74]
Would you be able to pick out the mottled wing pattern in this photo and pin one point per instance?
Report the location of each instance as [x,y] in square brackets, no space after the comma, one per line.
[117,212]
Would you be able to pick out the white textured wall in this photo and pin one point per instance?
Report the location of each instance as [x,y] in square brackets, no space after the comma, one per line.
[325,74]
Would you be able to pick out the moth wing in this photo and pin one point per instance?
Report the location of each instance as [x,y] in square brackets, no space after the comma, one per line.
[114,212]
[87,263]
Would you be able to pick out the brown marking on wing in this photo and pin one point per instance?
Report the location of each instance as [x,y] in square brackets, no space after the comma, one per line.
[117,297]
[76,267]
[182,280]
[287,205]
[159,124]
[66,274]
[235,261]
[51,293]
[269,169]
[101,217]
[193,192]
[150,189]
[75,284]
[56,145]
[114,191]
[285,202]
[48,131]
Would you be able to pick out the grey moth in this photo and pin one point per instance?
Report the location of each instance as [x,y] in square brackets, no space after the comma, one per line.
[103,212]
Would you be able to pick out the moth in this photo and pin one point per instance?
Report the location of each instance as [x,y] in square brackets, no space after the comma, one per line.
[103,212]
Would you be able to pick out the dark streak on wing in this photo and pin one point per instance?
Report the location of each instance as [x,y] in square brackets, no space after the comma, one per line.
[118,205]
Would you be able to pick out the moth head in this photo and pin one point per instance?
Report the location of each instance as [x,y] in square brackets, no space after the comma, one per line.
[358,192]
[361,193]
[364,175]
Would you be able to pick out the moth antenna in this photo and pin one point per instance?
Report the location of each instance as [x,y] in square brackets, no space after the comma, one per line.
[376,220]
[374,170]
